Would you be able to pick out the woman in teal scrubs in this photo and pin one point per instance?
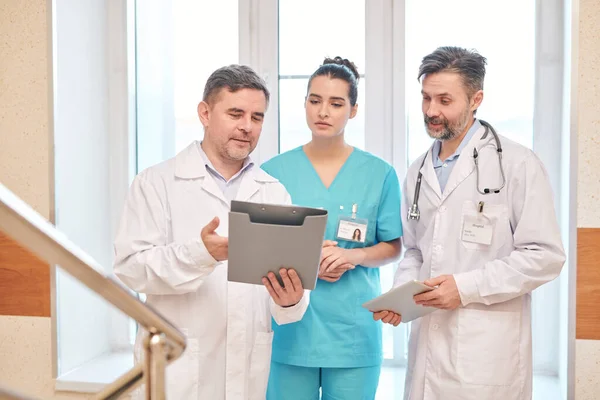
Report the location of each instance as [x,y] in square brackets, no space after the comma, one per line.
[336,351]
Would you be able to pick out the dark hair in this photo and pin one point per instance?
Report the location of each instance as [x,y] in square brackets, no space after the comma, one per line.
[233,77]
[359,233]
[469,64]
[340,68]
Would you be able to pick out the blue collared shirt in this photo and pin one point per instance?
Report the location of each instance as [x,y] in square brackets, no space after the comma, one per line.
[228,187]
[444,168]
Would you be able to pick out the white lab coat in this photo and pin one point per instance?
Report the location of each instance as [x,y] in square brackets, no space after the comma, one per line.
[159,252]
[482,350]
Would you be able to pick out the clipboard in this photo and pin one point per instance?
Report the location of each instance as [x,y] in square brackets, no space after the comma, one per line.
[266,237]
[400,300]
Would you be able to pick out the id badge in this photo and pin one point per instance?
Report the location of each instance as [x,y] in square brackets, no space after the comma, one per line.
[351,228]
[477,230]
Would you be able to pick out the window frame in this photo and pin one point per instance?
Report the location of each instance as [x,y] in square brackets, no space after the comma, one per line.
[96,372]
[259,44]
[258,48]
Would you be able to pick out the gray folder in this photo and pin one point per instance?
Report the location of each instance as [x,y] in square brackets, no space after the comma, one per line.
[267,237]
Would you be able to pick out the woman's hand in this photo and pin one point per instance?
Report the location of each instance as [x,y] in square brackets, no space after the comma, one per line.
[335,261]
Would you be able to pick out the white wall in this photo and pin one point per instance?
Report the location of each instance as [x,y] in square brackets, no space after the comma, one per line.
[548,132]
[82,191]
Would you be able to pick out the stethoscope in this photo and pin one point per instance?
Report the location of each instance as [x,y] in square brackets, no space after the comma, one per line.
[415,214]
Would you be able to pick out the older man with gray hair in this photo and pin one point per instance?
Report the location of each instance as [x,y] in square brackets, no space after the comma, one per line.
[172,245]
[480,229]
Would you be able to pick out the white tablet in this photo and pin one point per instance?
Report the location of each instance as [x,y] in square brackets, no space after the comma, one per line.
[400,300]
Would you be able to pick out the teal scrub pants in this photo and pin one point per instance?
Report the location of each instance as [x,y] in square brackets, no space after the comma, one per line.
[289,382]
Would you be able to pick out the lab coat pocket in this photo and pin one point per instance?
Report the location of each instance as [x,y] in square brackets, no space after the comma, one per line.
[182,374]
[488,347]
[260,364]
[495,215]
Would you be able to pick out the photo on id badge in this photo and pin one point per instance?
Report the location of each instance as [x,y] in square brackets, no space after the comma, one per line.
[351,228]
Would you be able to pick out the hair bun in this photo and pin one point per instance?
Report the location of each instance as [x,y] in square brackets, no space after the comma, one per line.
[345,62]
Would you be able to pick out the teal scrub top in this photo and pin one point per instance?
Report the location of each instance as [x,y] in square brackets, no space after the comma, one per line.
[336,331]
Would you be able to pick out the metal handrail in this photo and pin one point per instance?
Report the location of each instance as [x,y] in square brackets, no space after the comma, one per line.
[19,221]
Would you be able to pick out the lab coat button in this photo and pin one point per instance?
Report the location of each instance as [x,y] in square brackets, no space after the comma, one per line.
[435,327]
[442,208]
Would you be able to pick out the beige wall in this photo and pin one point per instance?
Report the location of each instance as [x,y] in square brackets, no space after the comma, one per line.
[588,182]
[24,94]
[26,169]
[26,357]
[588,185]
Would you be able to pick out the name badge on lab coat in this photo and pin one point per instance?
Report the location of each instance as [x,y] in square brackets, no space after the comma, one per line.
[477,230]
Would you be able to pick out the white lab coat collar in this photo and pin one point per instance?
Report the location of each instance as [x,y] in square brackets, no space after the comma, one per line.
[190,165]
[463,168]
[429,175]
